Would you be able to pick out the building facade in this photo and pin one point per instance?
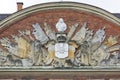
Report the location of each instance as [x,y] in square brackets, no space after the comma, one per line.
[60,41]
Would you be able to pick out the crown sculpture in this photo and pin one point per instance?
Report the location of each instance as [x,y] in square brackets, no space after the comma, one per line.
[44,47]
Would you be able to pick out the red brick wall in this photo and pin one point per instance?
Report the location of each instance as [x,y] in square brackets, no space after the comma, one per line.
[70,17]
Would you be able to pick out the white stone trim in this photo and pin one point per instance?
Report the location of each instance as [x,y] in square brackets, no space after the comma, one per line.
[59,5]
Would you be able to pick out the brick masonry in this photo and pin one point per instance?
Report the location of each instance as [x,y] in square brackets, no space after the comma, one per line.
[70,17]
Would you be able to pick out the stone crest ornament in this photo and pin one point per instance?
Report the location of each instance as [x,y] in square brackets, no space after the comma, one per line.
[61,47]
[68,47]
[61,26]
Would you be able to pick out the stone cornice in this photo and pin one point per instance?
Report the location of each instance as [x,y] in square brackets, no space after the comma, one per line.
[59,5]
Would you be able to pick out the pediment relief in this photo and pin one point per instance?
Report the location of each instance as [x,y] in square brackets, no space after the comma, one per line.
[44,47]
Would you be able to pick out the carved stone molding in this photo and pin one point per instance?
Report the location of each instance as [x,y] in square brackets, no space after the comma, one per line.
[61,36]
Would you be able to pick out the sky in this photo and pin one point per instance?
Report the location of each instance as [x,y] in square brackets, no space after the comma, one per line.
[10,6]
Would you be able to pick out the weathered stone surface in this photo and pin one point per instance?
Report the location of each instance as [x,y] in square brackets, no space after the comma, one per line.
[83,51]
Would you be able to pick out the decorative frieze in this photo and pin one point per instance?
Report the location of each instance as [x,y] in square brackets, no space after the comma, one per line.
[44,47]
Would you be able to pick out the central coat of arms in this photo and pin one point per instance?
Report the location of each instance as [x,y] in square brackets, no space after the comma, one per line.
[61,50]
[63,47]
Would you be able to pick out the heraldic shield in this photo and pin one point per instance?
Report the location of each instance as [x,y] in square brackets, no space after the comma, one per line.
[61,50]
